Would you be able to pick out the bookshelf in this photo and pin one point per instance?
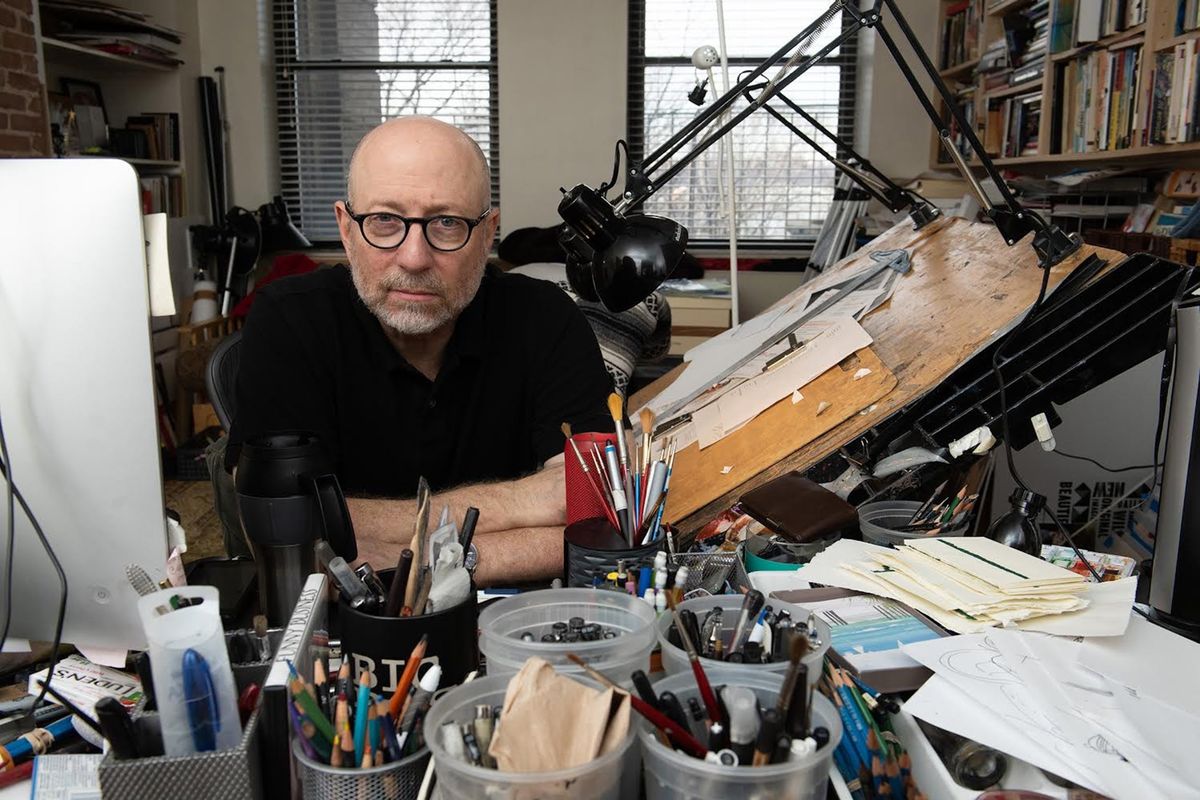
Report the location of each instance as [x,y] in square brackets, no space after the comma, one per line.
[1051,82]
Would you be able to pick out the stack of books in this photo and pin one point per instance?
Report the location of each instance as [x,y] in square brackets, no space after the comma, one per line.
[995,65]
[1187,16]
[159,136]
[163,193]
[1028,35]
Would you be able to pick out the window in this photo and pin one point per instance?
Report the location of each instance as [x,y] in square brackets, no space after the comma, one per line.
[784,187]
[344,66]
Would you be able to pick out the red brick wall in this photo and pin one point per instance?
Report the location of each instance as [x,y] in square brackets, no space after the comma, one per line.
[22,101]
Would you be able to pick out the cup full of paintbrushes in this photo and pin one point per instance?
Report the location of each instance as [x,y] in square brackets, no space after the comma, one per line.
[747,631]
[776,737]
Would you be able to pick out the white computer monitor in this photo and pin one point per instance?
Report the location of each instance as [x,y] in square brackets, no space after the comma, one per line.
[77,395]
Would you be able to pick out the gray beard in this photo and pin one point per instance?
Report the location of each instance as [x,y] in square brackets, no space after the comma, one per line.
[416,320]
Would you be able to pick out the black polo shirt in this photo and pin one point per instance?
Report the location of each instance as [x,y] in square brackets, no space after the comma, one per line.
[521,361]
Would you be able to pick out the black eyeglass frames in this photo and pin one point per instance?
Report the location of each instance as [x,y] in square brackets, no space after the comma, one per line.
[444,232]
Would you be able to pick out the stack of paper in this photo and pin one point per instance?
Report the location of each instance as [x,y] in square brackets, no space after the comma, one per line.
[971,584]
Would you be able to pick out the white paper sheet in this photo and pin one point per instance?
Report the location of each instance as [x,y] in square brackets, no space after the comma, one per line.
[1150,659]
[158,265]
[745,402]
[942,703]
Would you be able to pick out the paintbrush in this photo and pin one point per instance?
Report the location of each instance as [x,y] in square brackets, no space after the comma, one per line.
[647,433]
[665,724]
[418,546]
[706,692]
[591,479]
[797,650]
[618,418]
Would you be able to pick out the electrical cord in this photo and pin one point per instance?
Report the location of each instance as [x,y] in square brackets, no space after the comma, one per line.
[14,494]
[1104,467]
[1168,366]
[604,187]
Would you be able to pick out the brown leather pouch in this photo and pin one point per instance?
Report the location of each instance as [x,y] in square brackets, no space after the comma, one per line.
[799,509]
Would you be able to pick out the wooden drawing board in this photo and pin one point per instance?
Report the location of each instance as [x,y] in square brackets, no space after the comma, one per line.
[965,288]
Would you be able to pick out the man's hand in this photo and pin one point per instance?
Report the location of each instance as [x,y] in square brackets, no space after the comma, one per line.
[530,512]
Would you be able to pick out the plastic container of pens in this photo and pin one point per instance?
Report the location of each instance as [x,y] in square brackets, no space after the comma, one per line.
[883,523]
[399,780]
[774,657]
[613,631]
[672,774]
[613,776]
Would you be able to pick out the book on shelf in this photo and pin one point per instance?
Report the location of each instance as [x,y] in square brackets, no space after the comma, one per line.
[163,194]
[1187,16]
[1096,19]
[1102,101]
[1170,102]
[162,134]
[960,33]
[1012,125]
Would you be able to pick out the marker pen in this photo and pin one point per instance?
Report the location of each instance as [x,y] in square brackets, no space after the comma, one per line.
[742,709]
[620,504]
[768,733]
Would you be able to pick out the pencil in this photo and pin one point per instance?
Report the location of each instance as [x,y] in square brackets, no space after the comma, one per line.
[360,714]
[406,677]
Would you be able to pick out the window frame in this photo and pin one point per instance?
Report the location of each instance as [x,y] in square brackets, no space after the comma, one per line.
[285,67]
[846,60]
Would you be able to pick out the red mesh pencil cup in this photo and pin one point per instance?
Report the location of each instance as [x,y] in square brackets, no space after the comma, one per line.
[582,502]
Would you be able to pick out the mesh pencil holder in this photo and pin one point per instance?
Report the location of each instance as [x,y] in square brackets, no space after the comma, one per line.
[582,502]
[399,780]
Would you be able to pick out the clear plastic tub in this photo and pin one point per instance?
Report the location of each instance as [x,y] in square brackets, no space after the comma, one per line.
[613,776]
[502,623]
[672,775]
[674,659]
[879,523]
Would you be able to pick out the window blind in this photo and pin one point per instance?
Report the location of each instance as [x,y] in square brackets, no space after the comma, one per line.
[344,66]
[783,187]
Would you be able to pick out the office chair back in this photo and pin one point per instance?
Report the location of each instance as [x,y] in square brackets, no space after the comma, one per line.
[221,378]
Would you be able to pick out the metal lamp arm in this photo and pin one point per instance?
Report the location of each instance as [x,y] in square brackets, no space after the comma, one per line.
[643,180]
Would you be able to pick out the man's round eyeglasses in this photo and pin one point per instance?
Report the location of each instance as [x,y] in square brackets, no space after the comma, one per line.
[444,232]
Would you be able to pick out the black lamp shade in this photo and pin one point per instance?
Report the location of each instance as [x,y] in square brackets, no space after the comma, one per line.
[641,257]
[616,260]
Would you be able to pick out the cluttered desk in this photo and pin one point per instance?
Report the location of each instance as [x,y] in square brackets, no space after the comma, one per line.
[868,620]
[930,663]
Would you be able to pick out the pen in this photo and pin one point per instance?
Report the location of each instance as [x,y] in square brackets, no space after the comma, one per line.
[200,698]
[468,528]
[620,505]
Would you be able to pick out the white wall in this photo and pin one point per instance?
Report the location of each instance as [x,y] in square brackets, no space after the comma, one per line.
[562,101]
[895,133]
[235,34]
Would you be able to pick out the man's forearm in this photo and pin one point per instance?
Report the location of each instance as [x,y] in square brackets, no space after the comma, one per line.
[383,527]
[519,556]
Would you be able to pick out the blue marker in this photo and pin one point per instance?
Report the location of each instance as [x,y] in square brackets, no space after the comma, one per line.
[200,698]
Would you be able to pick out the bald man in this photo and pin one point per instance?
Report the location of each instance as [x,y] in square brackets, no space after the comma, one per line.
[419,360]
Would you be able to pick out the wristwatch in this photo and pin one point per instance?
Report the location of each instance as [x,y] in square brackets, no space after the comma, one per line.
[471,558]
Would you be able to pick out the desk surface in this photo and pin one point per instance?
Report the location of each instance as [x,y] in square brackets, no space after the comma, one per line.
[965,289]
